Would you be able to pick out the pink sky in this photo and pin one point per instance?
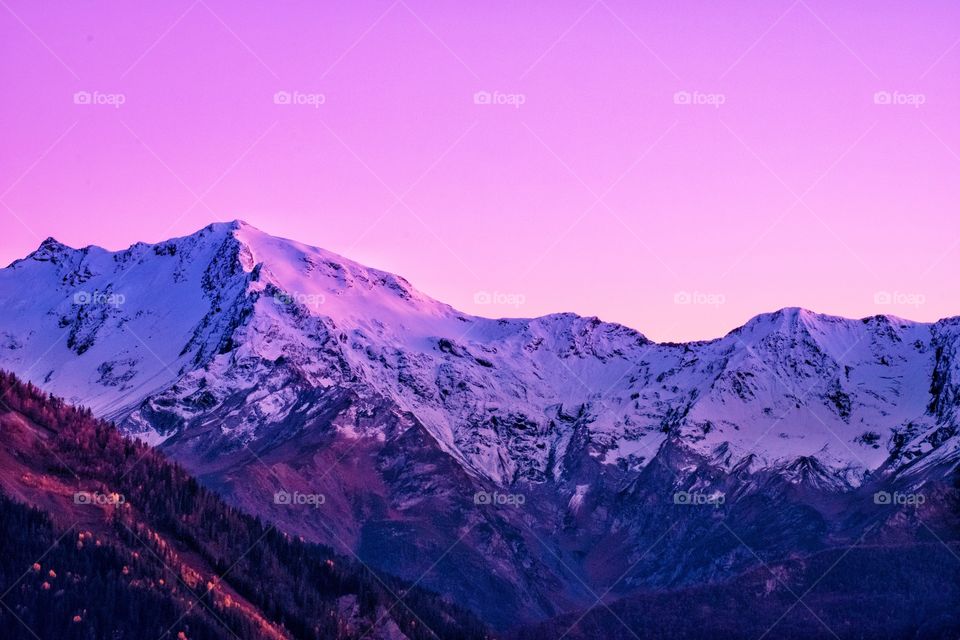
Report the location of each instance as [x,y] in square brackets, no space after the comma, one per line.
[599,194]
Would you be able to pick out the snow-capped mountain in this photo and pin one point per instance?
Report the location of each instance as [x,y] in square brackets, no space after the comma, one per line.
[259,361]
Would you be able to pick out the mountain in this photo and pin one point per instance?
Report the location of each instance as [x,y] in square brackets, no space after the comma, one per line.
[882,593]
[104,538]
[517,465]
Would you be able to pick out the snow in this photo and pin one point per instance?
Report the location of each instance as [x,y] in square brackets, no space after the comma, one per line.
[214,313]
[576,500]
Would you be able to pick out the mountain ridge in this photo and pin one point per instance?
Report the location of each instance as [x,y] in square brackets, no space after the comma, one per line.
[264,364]
[238,224]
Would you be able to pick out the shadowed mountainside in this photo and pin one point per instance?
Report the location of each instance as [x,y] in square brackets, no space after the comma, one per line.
[102,537]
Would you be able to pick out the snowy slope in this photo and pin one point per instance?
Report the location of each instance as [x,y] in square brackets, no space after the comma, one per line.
[263,364]
[179,327]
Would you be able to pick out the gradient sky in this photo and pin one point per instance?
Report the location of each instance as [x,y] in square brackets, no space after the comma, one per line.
[599,194]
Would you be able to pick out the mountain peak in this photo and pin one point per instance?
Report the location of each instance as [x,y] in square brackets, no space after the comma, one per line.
[231,225]
[218,229]
[785,320]
[51,245]
[50,250]
[792,314]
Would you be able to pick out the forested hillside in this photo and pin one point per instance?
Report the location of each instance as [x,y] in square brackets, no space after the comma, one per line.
[155,555]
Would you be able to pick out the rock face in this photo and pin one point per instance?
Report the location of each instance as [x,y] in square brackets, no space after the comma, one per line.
[519,465]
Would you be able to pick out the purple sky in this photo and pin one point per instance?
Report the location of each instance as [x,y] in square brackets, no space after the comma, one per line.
[589,184]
